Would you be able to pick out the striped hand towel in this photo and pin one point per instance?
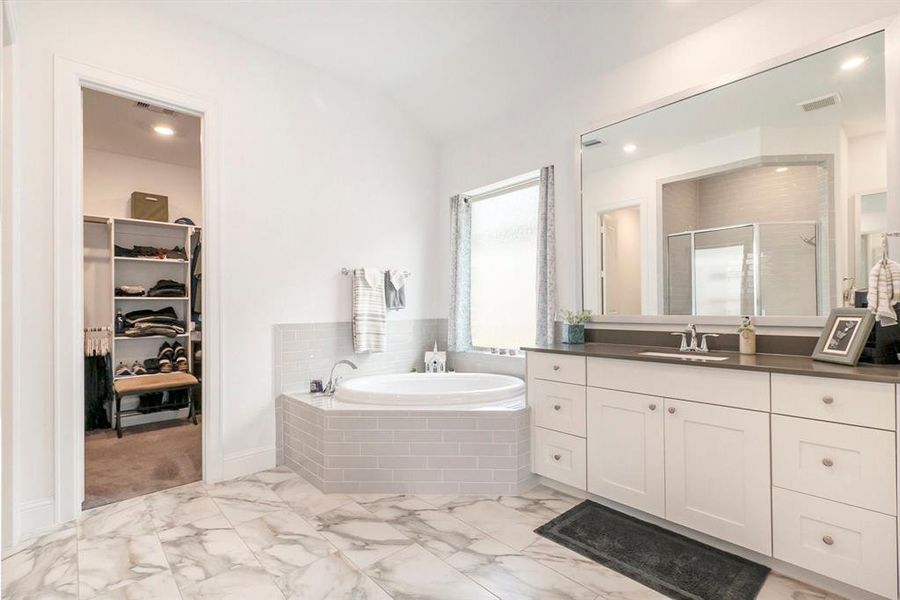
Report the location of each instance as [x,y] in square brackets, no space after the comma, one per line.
[369,322]
[884,291]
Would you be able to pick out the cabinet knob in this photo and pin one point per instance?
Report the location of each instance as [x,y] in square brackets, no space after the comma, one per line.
[828,540]
[671,410]
[556,367]
[556,457]
[652,407]
[556,407]
[828,400]
[827,462]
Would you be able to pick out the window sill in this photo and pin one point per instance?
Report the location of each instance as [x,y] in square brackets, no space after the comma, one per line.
[484,353]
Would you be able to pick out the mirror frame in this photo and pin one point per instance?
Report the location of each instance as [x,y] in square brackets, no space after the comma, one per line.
[800,325]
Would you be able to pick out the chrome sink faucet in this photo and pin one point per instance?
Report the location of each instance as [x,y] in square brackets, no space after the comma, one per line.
[332,382]
[693,346]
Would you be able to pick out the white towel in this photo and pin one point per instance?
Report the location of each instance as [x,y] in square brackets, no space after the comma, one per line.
[394,289]
[369,323]
[884,291]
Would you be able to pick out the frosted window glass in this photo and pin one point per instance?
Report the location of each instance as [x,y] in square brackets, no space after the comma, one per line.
[719,273]
[504,269]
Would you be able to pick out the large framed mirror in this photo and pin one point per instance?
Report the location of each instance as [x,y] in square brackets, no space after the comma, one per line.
[764,197]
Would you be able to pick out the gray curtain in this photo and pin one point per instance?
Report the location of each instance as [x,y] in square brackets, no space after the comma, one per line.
[459,334]
[546,267]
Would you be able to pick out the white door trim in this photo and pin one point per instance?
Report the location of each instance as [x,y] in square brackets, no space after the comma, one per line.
[68,310]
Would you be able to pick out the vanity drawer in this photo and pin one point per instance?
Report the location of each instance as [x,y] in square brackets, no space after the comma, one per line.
[556,367]
[713,385]
[865,403]
[560,457]
[843,542]
[558,406]
[849,464]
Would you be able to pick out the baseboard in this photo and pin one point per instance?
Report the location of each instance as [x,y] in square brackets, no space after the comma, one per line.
[249,461]
[35,517]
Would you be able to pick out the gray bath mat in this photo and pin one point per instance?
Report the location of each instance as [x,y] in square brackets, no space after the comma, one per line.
[667,562]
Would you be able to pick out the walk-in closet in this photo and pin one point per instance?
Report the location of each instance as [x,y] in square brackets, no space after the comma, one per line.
[143,333]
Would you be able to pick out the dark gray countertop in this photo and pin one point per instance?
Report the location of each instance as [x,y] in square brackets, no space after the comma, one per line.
[772,363]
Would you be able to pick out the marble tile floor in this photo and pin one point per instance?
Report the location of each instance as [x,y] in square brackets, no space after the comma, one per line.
[273,535]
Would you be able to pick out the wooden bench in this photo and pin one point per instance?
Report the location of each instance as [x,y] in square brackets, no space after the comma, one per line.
[159,382]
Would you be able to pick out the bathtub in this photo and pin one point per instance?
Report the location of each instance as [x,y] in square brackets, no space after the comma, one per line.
[433,391]
[415,433]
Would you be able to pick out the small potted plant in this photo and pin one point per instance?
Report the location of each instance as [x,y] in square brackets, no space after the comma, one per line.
[573,325]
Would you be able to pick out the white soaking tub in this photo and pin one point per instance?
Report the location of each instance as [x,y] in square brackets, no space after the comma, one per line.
[435,391]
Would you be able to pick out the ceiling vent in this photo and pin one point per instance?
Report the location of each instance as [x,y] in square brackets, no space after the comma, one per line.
[592,141]
[155,109]
[820,102]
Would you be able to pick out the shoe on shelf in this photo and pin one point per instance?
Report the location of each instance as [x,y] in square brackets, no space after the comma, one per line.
[138,369]
[181,361]
[123,371]
[165,356]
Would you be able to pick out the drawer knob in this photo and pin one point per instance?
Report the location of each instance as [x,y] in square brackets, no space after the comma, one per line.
[556,407]
[556,457]
[556,367]
[827,462]
[671,410]
[652,407]
[828,540]
[828,400]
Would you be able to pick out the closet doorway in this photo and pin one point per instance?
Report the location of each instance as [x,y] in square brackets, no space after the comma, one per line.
[142,286]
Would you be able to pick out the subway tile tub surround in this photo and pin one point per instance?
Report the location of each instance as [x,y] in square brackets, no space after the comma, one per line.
[408,451]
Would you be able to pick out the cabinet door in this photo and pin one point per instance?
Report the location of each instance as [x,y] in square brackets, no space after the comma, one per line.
[717,472]
[625,449]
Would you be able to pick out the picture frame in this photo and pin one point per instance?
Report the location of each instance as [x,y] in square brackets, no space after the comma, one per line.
[844,336]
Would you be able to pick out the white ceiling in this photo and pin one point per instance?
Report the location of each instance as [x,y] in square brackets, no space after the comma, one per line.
[457,64]
[116,124]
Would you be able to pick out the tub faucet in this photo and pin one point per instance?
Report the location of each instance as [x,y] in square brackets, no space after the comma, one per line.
[332,382]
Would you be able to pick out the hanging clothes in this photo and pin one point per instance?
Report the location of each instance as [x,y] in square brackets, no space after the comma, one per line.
[98,378]
[196,275]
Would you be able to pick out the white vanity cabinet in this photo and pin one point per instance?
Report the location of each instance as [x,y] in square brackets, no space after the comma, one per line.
[801,468]
[625,446]
[717,472]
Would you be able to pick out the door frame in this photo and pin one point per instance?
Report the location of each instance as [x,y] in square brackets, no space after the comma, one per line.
[69,78]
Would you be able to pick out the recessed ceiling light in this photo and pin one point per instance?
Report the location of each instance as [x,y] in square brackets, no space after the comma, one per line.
[629,148]
[164,130]
[781,169]
[854,62]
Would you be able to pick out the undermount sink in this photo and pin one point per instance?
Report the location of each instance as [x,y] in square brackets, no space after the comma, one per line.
[684,356]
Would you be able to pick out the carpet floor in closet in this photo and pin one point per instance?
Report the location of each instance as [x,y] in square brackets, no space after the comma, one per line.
[147,459]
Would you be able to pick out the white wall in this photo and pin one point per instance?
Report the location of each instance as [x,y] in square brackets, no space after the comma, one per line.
[109,179]
[315,174]
[547,132]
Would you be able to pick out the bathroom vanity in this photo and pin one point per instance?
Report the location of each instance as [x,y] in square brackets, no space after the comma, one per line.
[783,456]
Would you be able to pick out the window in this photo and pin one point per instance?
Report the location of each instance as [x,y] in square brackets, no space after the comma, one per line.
[504,265]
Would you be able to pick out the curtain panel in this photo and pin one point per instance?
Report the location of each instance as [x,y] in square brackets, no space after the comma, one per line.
[546,257]
[459,334]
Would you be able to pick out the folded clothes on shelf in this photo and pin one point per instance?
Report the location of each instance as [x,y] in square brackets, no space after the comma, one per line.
[167,288]
[165,321]
[131,290]
[176,253]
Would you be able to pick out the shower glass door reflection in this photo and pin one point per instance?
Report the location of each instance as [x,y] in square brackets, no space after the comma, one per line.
[723,271]
[753,269]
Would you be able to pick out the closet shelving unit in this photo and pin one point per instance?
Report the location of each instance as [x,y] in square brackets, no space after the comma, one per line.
[146,271]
